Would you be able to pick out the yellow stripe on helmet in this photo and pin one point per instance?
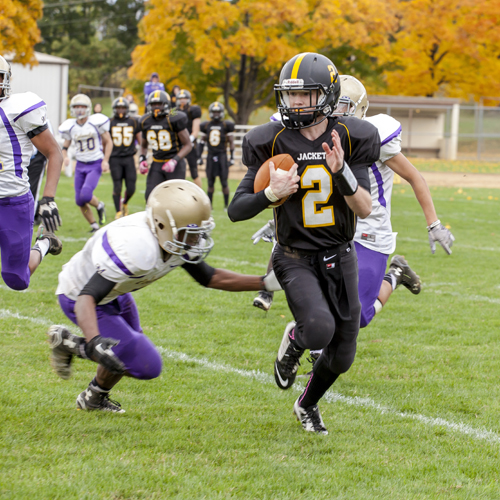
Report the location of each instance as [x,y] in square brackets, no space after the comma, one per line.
[296,65]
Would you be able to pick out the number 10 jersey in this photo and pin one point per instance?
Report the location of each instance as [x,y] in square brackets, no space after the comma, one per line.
[86,137]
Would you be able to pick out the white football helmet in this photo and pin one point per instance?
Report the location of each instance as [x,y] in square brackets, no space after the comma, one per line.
[178,213]
[7,75]
[80,100]
[353,99]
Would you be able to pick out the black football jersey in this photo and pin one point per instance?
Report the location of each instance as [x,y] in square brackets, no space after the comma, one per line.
[123,132]
[192,113]
[216,134]
[316,216]
[162,134]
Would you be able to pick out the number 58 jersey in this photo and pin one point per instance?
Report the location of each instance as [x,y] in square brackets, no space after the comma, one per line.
[123,132]
[86,137]
[162,134]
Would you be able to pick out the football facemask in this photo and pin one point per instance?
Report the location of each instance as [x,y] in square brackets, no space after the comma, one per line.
[80,106]
[5,71]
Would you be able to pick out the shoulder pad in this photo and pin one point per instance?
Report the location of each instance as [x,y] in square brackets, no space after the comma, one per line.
[358,129]
[386,125]
[66,125]
[98,119]
[263,134]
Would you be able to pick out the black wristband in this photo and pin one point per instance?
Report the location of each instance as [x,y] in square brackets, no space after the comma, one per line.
[346,183]
[142,158]
[176,158]
[232,154]
[65,148]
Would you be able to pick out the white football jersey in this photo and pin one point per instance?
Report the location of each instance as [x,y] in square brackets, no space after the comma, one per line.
[375,232]
[86,137]
[20,114]
[125,252]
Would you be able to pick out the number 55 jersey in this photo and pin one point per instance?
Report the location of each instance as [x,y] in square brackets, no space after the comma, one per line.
[123,132]
[86,137]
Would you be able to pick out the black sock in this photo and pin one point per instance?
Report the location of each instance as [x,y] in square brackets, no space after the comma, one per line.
[321,380]
[97,387]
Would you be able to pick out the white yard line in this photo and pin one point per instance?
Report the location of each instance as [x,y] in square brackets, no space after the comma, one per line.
[330,397]
[333,397]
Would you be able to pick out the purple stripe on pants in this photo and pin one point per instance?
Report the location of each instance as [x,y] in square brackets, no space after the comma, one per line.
[16,147]
[119,320]
[372,266]
[16,231]
[87,177]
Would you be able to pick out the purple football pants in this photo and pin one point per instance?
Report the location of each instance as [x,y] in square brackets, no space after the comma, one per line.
[119,320]
[87,177]
[371,267]
[16,231]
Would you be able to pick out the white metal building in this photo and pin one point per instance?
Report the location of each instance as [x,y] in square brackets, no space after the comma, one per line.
[49,80]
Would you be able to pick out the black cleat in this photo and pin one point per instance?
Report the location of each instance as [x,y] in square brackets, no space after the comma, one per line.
[102,213]
[404,275]
[55,244]
[288,360]
[310,418]
[264,300]
[91,400]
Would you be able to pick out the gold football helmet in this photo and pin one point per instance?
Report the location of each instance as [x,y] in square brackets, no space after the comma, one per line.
[80,100]
[178,213]
[353,99]
[7,74]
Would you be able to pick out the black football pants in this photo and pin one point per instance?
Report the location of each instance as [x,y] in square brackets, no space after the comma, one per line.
[122,169]
[322,293]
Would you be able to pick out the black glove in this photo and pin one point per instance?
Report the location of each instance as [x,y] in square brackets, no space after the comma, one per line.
[99,350]
[49,214]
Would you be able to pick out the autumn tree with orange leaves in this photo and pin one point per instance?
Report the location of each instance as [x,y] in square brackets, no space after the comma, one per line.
[446,47]
[18,29]
[237,49]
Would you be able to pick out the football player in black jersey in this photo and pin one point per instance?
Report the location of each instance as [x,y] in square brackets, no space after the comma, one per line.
[314,259]
[124,132]
[193,113]
[165,132]
[217,133]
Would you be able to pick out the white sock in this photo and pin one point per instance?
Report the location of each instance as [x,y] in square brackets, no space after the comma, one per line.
[378,306]
[42,247]
[94,225]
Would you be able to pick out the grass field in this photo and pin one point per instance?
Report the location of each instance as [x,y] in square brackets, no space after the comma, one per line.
[416,417]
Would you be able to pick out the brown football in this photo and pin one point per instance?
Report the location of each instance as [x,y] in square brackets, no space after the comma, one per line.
[262,179]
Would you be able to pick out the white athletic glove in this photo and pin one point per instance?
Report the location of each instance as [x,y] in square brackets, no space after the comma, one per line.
[49,213]
[271,283]
[265,233]
[437,232]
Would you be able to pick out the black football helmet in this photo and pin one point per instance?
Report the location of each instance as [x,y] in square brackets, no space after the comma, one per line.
[120,102]
[183,94]
[159,104]
[312,73]
[216,111]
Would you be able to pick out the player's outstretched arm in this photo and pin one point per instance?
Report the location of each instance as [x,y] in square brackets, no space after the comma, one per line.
[437,232]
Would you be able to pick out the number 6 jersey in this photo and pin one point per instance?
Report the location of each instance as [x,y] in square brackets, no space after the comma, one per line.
[161,134]
[86,137]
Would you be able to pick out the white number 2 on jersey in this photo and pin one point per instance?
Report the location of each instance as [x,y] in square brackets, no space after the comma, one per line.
[314,217]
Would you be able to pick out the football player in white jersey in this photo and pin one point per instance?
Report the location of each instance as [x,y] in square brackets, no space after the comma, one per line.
[128,254]
[23,123]
[374,238]
[90,135]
